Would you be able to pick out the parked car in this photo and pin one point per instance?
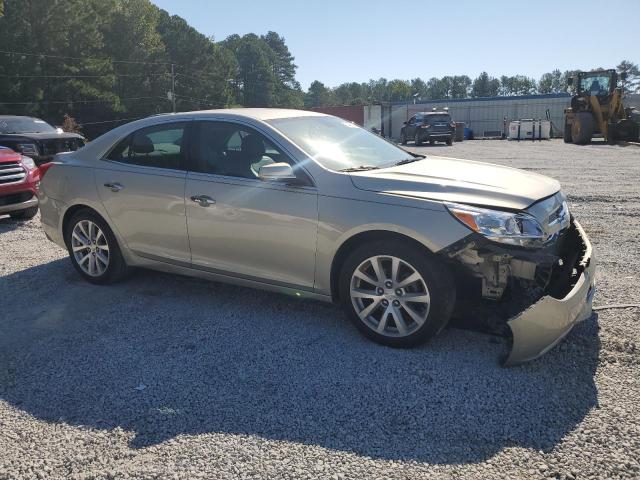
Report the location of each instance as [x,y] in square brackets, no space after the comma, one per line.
[36,138]
[19,183]
[429,127]
[313,205]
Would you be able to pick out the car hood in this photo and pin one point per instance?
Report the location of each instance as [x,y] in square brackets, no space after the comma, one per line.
[460,181]
[41,136]
[7,155]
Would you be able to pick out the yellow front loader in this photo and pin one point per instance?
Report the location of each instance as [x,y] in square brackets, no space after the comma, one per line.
[597,108]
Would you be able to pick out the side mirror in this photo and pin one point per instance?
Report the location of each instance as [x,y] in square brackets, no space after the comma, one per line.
[404,123]
[623,76]
[276,172]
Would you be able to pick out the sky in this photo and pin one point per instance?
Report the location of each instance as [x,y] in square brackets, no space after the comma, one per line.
[353,40]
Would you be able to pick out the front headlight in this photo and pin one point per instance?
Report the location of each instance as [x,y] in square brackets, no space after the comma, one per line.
[519,229]
[28,148]
[28,162]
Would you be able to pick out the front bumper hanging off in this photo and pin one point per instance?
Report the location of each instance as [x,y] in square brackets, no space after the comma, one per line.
[541,326]
[531,296]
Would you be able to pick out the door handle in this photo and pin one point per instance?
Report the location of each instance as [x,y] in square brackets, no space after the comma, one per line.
[114,187]
[203,200]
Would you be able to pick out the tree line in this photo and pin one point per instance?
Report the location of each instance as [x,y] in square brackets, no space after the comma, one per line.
[103,62]
[458,86]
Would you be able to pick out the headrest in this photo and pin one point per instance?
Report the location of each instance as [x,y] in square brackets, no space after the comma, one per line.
[252,146]
[142,144]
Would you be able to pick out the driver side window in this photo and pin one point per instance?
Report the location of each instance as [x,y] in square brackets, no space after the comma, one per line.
[232,150]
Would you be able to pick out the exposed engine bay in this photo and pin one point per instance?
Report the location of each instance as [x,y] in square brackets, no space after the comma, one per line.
[496,282]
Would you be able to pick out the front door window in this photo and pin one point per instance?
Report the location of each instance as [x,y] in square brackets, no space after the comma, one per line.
[232,150]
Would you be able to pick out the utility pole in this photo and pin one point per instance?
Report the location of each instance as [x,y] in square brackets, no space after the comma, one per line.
[173,88]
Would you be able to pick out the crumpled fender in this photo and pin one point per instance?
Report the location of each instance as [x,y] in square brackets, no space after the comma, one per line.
[541,326]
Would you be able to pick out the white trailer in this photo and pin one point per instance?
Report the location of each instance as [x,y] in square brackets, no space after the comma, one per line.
[530,129]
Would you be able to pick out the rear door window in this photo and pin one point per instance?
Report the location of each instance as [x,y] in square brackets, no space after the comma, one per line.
[159,146]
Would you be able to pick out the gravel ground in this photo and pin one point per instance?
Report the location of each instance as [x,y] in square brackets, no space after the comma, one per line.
[164,376]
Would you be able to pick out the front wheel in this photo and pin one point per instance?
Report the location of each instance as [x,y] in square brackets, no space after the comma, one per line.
[403,139]
[26,214]
[582,128]
[396,294]
[417,140]
[449,141]
[93,249]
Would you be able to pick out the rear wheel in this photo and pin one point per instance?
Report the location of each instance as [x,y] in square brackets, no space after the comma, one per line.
[567,133]
[26,214]
[396,294]
[403,138]
[582,128]
[449,141]
[93,248]
[432,142]
[417,140]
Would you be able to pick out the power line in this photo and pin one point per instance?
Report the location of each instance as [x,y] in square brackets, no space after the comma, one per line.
[7,52]
[112,121]
[80,101]
[193,98]
[212,76]
[201,103]
[89,76]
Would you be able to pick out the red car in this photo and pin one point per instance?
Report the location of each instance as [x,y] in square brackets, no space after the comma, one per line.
[19,183]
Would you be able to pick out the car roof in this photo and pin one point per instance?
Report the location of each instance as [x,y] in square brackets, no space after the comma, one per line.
[6,151]
[441,112]
[103,143]
[255,113]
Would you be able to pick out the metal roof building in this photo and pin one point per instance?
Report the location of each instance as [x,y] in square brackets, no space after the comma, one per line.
[486,116]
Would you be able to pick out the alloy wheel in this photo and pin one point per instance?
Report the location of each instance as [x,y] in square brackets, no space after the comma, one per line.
[390,296]
[90,248]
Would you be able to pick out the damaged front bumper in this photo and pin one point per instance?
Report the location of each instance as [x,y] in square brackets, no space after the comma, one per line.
[532,296]
[541,326]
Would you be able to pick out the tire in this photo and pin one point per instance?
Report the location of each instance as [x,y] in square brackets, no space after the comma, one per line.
[567,133]
[416,140]
[432,142]
[582,128]
[449,141]
[403,138]
[635,132]
[26,214]
[389,321]
[103,245]
[611,134]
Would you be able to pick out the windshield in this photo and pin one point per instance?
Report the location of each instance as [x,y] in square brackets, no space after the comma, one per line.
[25,125]
[437,118]
[595,84]
[337,144]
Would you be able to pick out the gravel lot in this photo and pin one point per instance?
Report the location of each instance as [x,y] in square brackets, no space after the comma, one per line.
[164,376]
